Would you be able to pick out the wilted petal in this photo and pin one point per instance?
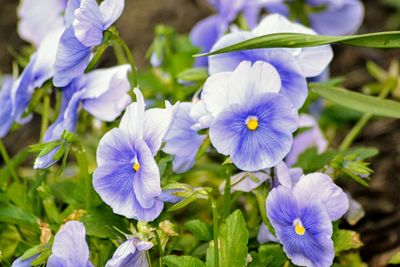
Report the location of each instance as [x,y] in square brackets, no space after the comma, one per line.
[70,247]
[356,212]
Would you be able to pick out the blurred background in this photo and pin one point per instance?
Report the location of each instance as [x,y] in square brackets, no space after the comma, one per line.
[380,228]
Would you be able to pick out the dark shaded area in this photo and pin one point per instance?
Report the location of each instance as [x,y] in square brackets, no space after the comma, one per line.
[380,229]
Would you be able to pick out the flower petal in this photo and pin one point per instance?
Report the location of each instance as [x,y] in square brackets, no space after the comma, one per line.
[333,198]
[6,120]
[132,123]
[111,10]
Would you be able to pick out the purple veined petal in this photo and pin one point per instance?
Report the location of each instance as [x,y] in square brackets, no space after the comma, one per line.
[312,60]
[88,23]
[265,236]
[333,198]
[204,35]
[157,122]
[43,67]
[132,122]
[106,92]
[38,18]
[283,175]
[69,15]
[70,247]
[129,254]
[312,247]
[147,181]
[262,147]
[181,140]
[246,182]
[356,212]
[238,87]
[111,10]
[200,116]
[46,161]
[168,196]
[6,120]
[71,60]
[342,19]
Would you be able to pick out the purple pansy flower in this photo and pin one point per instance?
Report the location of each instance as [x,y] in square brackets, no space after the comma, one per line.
[131,253]
[69,247]
[253,123]
[103,93]
[293,65]
[302,218]
[86,21]
[312,137]
[182,139]
[127,177]
[24,263]
[38,71]
[39,17]
[6,120]
[337,17]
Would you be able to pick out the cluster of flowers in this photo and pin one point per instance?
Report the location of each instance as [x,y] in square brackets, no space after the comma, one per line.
[249,105]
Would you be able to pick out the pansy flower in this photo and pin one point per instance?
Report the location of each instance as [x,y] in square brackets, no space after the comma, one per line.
[131,253]
[36,73]
[182,139]
[6,120]
[39,17]
[253,123]
[330,17]
[302,218]
[85,21]
[312,137]
[103,93]
[69,247]
[127,177]
[293,65]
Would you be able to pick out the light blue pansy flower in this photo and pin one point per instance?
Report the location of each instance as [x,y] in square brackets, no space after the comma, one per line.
[131,253]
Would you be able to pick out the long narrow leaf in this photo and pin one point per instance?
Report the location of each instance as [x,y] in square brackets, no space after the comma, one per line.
[296,40]
[359,102]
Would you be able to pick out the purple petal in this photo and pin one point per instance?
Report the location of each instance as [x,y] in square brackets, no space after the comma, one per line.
[72,59]
[265,236]
[88,23]
[129,254]
[69,15]
[111,10]
[69,246]
[333,198]
[6,120]
[264,147]
[106,92]
[24,263]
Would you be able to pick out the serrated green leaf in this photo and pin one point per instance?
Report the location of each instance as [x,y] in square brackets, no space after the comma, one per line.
[200,230]
[296,40]
[182,261]
[345,240]
[233,237]
[359,102]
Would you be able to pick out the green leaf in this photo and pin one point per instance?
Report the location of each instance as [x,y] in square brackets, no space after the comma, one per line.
[269,255]
[193,75]
[395,259]
[182,261]
[191,198]
[200,230]
[296,40]
[15,215]
[345,240]
[233,237]
[359,102]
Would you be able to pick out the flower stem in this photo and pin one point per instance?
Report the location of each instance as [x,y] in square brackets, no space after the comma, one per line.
[6,158]
[128,53]
[100,50]
[389,85]
[83,166]
[227,194]
[45,116]
[215,229]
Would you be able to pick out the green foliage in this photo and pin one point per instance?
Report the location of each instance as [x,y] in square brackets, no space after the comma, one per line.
[268,255]
[182,261]
[346,240]
[395,259]
[199,229]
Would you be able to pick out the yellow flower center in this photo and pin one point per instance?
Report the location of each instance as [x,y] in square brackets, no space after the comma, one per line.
[299,228]
[252,123]
[136,166]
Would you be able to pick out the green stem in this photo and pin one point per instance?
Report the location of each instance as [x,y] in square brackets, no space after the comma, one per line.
[45,116]
[100,50]
[161,251]
[389,85]
[227,194]
[8,163]
[215,230]
[128,53]
[149,259]
[83,166]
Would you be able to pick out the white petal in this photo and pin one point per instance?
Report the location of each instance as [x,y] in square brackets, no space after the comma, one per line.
[133,119]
